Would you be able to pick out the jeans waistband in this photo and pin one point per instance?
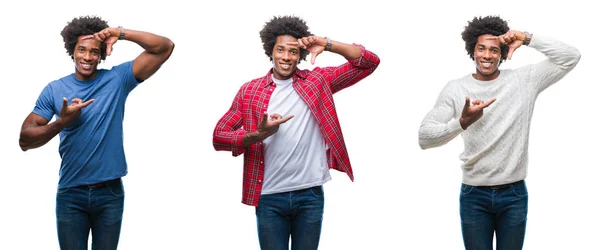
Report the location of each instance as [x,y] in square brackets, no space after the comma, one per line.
[104,183]
[503,186]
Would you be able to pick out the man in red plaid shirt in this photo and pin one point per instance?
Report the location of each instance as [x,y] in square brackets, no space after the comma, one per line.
[286,161]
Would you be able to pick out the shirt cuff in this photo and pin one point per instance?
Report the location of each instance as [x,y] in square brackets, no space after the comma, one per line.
[454,125]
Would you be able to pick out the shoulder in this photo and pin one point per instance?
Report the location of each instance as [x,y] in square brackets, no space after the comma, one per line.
[256,82]
[60,82]
[127,64]
[457,82]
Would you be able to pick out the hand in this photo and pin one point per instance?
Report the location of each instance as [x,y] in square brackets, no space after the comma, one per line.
[110,36]
[513,38]
[312,45]
[69,113]
[471,114]
[269,125]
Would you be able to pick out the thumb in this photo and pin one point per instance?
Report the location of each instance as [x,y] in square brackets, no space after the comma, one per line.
[467,102]
[65,103]
[510,52]
[313,56]
[108,49]
[263,122]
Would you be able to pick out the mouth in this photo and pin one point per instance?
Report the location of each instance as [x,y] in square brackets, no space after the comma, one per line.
[486,64]
[285,66]
[86,66]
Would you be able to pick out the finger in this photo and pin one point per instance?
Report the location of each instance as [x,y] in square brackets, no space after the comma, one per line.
[510,52]
[476,102]
[489,103]
[512,35]
[301,44]
[491,38]
[502,39]
[313,57]
[65,103]
[467,102]
[87,37]
[76,101]
[108,49]
[275,116]
[285,119]
[293,43]
[306,41]
[263,122]
[85,104]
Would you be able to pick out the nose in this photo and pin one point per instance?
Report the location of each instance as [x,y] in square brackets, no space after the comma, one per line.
[87,56]
[286,56]
[487,54]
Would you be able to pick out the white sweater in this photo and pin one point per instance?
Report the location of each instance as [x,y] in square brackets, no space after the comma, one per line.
[495,146]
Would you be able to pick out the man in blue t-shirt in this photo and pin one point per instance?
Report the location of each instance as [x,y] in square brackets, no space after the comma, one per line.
[89,107]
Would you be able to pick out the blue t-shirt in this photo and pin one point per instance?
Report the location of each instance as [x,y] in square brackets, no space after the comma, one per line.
[91,148]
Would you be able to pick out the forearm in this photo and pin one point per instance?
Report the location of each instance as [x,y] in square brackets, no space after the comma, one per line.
[152,43]
[251,138]
[561,54]
[434,135]
[353,71]
[349,51]
[226,139]
[36,136]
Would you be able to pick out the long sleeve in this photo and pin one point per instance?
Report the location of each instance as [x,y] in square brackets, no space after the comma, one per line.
[561,59]
[352,71]
[228,134]
[441,124]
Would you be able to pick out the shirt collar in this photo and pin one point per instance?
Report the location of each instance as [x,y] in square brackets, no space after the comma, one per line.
[268,80]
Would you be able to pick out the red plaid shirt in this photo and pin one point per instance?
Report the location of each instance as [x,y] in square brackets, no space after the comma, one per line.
[316,88]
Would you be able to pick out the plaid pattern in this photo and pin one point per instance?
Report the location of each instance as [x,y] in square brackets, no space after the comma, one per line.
[316,88]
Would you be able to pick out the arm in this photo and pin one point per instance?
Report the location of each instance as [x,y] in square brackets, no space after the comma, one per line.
[266,127]
[229,134]
[562,58]
[361,62]
[157,49]
[440,125]
[36,130]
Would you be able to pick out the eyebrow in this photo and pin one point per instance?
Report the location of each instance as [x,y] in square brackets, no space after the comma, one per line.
[84,47]
[283,47]
[493,47]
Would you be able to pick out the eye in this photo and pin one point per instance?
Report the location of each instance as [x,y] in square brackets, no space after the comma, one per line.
[480,49]
[80,50]
[294,52]
[95,52]
[495,51]
[279,49]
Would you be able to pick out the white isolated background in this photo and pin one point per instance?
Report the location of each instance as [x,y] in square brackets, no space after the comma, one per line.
[181,194]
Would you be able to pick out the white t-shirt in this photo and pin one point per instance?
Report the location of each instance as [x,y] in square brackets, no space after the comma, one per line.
[295,155]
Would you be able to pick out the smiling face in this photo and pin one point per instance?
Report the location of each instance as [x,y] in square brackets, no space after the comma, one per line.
[487,58]
[86,56]
[285,57]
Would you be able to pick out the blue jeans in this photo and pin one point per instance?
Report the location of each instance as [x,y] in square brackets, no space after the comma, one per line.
[484,210]
[81,208]
[298,214]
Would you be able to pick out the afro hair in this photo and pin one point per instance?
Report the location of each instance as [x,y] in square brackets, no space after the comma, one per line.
[82,26]
[283,25]
[492,25]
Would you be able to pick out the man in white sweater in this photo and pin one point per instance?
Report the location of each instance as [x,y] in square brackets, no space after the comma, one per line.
[492,110]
